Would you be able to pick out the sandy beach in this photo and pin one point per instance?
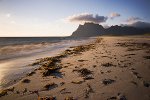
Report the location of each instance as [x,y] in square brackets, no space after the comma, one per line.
[110,68]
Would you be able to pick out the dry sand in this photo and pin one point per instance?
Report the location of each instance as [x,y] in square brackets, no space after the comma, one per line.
[114,68]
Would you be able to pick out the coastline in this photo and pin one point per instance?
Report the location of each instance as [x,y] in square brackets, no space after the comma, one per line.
[89,71]
[14,69]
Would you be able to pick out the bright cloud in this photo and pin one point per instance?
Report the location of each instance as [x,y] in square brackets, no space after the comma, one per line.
[133,19]
[8,15]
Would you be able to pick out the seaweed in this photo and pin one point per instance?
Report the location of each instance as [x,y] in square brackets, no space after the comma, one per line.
[88,91]
[50,71]
[147,57]
[107,64]
[146,84]
[69,98]
[50,86]
[118,97]
[84,72]
[26,81]
[108,81]
[3,93]
[47,98]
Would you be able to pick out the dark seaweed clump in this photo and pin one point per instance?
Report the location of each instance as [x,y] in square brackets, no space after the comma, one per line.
[26,81]
[51,66]
[133,46]
[3,93]
[84,72]
[147,57]
[107,64]
[50,86]
[108,81]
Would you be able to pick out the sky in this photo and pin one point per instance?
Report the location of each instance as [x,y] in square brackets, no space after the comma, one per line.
[62,17]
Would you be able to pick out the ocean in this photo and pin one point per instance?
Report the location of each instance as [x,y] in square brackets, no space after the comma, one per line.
[16,53]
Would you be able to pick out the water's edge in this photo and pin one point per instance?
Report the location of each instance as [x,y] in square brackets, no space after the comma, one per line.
[21,68]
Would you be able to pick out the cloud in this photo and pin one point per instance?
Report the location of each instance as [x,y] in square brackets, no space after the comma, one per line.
[133,19]
[12,22]
[8,15]
[140,24]
[136,22]
[114,14]
[87,17]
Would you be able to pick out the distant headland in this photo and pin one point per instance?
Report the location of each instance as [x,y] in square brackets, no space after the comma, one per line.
[92,29]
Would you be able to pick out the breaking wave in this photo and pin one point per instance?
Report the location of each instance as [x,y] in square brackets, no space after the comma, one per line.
[24,49]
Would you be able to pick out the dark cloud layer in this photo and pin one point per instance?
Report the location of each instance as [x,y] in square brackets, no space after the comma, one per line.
[141,24]
[86,17]
[138,24]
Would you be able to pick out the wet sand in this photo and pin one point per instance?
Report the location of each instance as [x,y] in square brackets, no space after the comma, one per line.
[111,68]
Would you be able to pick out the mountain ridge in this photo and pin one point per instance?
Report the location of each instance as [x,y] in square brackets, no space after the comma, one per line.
[92,29]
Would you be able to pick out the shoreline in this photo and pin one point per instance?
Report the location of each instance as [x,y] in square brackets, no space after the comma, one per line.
[38,62]
[22,62]
[76,69]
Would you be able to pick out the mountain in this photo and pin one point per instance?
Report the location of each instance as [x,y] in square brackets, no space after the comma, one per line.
[91,29]
[88,29]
